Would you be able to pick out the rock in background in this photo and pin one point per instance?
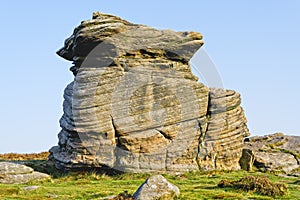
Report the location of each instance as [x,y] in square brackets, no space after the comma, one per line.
[276,152]
[134,104]
[11,173]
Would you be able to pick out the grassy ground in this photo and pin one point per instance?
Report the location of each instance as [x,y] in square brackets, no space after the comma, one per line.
[27,156]
[200,185]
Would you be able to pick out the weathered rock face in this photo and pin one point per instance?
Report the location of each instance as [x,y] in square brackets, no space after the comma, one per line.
[11,173]
[135,105]
[276,152]
[220,147]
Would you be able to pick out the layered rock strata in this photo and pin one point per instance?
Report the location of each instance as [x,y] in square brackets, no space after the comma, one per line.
[135,105]
[220,147]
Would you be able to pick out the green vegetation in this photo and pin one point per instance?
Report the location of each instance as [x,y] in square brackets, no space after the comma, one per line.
[296,170]
[277,144]
[193,185]
[293,153]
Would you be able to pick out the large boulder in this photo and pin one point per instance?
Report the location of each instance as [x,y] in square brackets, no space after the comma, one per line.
[135,105]
[275,152]
[12,173]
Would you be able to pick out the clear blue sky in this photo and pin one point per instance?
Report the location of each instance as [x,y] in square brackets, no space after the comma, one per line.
[254,44]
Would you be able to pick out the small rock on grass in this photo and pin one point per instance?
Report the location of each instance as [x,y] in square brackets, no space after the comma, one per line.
[156,187]
[30,188]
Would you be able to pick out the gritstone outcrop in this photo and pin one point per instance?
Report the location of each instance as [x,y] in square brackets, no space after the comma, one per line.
[135,105]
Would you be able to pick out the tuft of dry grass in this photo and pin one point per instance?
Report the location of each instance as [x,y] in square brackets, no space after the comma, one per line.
[26,156]
[259,184]
[123,196]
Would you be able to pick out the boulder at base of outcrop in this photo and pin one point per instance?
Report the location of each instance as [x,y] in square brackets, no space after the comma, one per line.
[276,152]
[11,173]
[156,187]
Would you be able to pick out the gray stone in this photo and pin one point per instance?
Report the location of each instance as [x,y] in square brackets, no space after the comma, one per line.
[52,196]
[9,168]
[30,188]
[11,173]
[276,161]
[135,105]
[156,187]
[277,152]
[109,197]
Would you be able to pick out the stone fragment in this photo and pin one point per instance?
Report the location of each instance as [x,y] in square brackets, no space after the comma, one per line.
[247,160]
[30,188]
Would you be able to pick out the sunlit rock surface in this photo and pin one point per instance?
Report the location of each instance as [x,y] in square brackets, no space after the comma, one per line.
[134,104]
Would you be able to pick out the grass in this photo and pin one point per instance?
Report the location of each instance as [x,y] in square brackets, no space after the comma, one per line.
[26,156]
[197,185]
[257,184]
[193,185]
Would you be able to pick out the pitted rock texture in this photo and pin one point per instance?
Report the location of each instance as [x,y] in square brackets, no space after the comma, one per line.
[275,152]
[134,104]
[11,173]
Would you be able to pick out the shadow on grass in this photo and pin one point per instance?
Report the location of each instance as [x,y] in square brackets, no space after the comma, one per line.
[48,167]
